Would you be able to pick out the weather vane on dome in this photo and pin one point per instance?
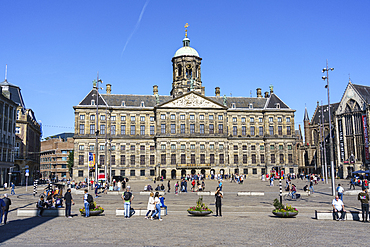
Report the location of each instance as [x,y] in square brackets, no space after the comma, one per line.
[186,30]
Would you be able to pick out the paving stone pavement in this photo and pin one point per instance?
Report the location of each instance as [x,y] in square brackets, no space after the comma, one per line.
[247,220]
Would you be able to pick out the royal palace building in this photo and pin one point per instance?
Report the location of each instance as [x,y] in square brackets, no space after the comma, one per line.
[186,132]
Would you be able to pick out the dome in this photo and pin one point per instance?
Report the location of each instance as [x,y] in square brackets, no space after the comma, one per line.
[186,50]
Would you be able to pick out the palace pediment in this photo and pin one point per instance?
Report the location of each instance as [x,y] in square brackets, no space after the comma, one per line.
[192,100]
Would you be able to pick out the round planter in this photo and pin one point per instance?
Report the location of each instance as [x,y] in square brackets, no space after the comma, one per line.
[93,213]
[285,214]
[199,213]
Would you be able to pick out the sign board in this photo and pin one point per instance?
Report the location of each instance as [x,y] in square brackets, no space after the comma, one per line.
[27,173]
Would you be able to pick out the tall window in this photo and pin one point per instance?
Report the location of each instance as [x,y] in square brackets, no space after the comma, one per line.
[132,118]
[80,160]
[132,147]
[142,118]
[173,128]
[262,157]
[173,117]
[163,159]
[82,117]
[202,159]
[142,147]
[273,158]
[182,128]
[102,117]
[192,117]
[82,128]
[235,130]
[92,129]
[132,130]
[244,130]
[211,129]
[101,160]
[183,159]
[221,158]
[254,161]
[192,159]
[163,128]
[236,159]
[252,130]
[152,159]
[102,129]
[113,160]
[281,158]
[92,117]
[151,130]
[271,130]
[173,159]
[123,118]
[244,159]
[163,116]
[220,117]
[123,160]
[142,160]
[290,158]
[280,130]
[288,131]
[201,129]
[192,128]
[113,130]
[142,130]
[182,117]
[211,158]
[123,129]
[220,128]
[113,118]
[132,160]
[260,131]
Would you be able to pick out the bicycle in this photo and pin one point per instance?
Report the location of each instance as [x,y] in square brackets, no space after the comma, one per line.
[290,197]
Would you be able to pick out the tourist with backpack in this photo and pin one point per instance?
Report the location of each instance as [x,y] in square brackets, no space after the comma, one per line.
[127,197]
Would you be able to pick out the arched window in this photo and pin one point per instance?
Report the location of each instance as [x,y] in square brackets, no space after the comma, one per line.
[179,70]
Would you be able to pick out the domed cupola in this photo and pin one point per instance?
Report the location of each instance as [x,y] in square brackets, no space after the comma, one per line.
[186,69]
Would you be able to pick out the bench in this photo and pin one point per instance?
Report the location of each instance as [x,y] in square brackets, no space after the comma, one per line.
[138,212]
[33,212]
[250,193]
[147,193]
[328,215]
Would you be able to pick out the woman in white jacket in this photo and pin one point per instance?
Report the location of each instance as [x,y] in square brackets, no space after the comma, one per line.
[151,205]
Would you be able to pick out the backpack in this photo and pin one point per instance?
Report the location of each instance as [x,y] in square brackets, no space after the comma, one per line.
[126,196]
[89,198]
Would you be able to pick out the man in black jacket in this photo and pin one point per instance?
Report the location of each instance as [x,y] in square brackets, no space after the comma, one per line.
[69,202]
[8,202]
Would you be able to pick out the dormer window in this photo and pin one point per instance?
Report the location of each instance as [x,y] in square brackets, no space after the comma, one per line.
[123,103]
[92,102]
[250,106]
[142,104]
[277,105]
[233,105]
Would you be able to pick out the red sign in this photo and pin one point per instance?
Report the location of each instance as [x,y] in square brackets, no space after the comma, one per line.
[366,137]
[101,176]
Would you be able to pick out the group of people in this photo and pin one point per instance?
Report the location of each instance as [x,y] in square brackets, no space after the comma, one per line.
[155,203]
[12,186]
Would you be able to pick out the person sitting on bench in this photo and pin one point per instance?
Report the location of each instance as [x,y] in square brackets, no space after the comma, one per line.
[161,198]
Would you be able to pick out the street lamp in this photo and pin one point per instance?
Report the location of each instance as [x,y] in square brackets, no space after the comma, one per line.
[330,135]
[96,85]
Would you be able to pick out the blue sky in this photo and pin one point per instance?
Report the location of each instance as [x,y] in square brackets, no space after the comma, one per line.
[54,49]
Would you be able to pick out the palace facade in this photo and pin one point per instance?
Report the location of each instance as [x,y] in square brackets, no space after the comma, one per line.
[186,132]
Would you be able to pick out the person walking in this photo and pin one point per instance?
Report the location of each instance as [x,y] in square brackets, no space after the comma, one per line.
[218,196]
[151,206]
[169,186]
[340,191]
[157,202]
[363,196]
[8,202]
[352,184]
[2,209]
[86,204]
[69,202]
[96,189]
[127,197]
[13,187]
[177,188]
[311,187]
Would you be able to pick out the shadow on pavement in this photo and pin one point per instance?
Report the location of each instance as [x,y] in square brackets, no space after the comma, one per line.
[16,227]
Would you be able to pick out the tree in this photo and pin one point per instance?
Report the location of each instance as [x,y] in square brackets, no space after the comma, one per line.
[70,162]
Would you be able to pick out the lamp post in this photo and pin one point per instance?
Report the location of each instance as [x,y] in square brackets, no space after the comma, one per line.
[96,84]
[330,135]
[323,144]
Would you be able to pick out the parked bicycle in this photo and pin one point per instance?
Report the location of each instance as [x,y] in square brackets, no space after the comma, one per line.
[292,197]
